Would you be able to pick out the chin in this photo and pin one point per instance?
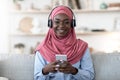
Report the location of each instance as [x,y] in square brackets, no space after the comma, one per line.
[61,35]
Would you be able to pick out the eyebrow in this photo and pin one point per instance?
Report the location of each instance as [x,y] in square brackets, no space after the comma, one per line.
[63,20]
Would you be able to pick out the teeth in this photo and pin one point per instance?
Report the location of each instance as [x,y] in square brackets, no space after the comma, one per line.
[61,30]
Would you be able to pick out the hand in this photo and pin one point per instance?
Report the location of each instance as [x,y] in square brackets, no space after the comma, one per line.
[50,68]
[66,67]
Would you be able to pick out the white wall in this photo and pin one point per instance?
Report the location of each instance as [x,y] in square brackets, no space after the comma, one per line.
[3,26]
[90,20]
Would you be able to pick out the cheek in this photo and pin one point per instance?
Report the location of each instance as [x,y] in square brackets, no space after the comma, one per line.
[68,29]
[54,28]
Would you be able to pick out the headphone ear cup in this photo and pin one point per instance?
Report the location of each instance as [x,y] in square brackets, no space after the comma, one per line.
[50,23]
[73,23]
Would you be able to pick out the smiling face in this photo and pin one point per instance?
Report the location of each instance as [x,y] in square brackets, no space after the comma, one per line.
[61,25]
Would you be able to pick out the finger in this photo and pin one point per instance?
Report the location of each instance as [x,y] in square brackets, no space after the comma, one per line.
[64,71]
[55,62]
[56,67]
[53,69]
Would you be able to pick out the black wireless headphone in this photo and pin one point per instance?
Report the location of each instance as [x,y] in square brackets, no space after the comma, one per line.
[73,22]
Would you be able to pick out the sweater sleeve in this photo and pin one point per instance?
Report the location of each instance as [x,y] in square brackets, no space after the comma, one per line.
[86,70]
[38,66]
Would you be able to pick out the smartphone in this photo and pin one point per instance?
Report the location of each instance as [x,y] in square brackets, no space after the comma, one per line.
[61,57]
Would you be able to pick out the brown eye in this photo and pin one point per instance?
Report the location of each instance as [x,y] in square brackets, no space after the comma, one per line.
[56,22]
[67,22]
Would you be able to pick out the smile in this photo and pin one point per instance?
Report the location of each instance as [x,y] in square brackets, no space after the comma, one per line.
[61,31]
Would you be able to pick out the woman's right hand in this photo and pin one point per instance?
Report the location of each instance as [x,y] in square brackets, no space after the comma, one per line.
[51,67]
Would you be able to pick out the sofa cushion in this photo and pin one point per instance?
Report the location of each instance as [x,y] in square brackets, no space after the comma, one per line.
[107,66]
[17,66]
[3,78]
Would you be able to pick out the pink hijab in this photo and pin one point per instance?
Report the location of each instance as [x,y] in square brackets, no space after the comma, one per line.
[69,45]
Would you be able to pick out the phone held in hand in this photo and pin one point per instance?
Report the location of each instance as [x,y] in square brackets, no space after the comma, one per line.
[61,57]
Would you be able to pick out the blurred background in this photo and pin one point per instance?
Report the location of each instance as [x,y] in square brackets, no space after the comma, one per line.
[23,24]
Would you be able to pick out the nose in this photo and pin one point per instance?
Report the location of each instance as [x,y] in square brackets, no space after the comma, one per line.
[61,24]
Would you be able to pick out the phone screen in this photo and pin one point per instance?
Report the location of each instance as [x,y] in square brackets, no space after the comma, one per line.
[61,57]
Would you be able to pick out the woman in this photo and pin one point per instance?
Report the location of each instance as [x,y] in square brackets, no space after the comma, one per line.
[61,39]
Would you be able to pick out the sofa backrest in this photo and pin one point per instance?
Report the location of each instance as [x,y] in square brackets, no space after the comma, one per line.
[17,66]
[21,66]
[107,66]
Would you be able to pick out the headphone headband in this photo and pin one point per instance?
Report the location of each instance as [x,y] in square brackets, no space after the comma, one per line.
[73,23]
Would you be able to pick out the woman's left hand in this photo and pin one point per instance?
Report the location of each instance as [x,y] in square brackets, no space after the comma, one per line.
[66,67]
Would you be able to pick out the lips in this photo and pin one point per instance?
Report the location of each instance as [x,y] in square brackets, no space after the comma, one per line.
[61,31]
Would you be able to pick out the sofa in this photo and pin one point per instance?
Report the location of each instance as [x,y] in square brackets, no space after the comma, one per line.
[21,66]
